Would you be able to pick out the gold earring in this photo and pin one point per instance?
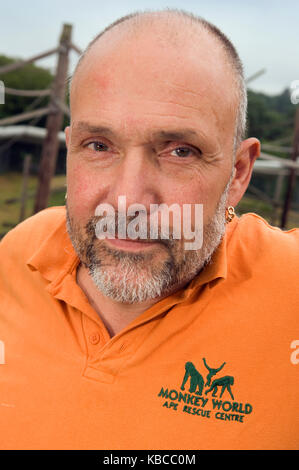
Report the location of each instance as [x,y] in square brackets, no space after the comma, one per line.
[229,214]
[65,196]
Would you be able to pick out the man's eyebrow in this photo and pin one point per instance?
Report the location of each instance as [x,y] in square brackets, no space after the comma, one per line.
[82,126]
[181,134]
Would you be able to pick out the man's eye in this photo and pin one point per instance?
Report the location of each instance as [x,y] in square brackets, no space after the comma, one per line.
[182,152]
[98,146]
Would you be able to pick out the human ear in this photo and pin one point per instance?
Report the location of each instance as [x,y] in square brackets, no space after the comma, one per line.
[246,155]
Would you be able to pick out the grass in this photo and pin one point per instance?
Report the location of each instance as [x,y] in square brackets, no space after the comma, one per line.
[10,192]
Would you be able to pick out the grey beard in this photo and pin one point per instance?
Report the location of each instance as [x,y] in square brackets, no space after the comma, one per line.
[132,277]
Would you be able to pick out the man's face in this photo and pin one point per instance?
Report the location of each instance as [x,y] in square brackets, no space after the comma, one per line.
[155,124]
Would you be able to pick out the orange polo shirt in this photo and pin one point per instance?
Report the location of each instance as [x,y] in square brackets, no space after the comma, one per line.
[206,368]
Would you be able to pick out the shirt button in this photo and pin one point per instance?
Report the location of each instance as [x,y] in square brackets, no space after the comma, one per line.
[94,338]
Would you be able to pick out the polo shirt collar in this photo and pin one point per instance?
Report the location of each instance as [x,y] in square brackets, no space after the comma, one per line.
[55,257]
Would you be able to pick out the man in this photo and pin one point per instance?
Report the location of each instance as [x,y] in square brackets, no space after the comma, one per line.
[141,344]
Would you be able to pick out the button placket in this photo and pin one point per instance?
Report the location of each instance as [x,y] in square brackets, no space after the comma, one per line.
[94,338]
[107,357]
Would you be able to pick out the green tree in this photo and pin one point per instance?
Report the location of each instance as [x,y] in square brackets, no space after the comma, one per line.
[29,77]
[271,117]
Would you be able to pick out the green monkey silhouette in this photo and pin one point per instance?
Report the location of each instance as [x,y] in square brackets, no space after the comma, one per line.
[225,383]
[196,379]
[212,372]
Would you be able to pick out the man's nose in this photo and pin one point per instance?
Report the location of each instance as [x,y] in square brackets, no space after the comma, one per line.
[137,178]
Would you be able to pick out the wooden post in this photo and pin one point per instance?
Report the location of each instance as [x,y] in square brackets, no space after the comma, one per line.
[54,123]
[24,195]
[292,176]
[276,198]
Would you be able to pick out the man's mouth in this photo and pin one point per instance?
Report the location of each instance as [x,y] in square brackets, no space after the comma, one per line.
[129,244]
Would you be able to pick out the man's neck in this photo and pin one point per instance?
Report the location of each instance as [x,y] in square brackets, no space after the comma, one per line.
[115,315]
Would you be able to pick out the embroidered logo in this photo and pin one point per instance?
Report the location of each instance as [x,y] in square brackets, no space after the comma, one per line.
[204,396]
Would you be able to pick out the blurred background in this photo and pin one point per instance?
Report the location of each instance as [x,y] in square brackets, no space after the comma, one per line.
[40,43]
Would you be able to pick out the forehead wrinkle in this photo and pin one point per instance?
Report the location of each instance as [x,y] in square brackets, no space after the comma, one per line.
[184,89]
[177,104]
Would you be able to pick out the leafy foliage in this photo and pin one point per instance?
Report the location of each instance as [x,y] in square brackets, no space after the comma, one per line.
[271,118]
[29,77]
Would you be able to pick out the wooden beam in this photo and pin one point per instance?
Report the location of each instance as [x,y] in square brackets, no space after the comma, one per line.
[76,49]
[285,162]
[255,75]
[30,93]
[54,123]
[26,116]
[63,107]
[17,65]
[277,148]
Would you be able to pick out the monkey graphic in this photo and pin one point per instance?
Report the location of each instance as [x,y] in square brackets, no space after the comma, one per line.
[225,383]
[212,372]
[197,383]
[196,379]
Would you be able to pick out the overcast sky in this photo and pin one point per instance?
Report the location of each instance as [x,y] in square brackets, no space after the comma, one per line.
[265,32]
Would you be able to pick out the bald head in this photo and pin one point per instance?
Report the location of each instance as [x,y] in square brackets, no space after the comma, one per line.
[178,29]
